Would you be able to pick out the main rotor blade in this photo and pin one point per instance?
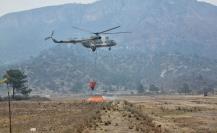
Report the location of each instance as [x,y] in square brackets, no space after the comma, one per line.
[108,30]
[118,33]
[47,38]
[52,33]
[82,29]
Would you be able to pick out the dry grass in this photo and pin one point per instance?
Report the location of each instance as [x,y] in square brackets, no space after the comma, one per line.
[190,114]
[161,114]
[52,117]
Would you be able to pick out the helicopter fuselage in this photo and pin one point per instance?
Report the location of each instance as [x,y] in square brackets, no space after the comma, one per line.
[100,42]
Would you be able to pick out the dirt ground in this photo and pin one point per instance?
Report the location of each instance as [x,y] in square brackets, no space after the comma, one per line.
[132,114]
[48,117]
[180,114]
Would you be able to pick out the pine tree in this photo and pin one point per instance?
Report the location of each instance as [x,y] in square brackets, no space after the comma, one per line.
[17,80]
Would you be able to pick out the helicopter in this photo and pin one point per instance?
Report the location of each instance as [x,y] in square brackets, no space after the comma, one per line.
[94,42]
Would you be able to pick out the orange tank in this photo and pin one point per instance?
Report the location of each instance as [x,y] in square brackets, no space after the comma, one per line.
[96,99]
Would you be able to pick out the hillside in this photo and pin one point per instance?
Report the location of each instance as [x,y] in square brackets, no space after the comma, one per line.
[172,43]
[184,26]
[64,69]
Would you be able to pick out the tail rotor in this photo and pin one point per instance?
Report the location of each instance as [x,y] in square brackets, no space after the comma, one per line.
[50,37]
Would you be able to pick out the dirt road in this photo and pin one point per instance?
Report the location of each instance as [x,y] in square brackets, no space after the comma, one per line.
[123,117]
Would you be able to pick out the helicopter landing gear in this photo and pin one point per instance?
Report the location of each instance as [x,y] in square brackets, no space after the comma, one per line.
[110,48]
[93,49]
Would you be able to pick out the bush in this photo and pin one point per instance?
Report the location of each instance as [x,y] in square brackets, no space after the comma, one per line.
[153,88]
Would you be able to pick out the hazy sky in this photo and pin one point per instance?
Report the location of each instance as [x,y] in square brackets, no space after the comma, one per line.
[7,6]
[210,1]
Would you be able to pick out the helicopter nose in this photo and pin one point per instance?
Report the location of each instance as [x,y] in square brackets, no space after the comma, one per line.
[114,43]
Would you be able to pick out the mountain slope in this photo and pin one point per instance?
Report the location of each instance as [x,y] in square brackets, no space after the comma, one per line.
[184,26]
[64,69]
[172,43]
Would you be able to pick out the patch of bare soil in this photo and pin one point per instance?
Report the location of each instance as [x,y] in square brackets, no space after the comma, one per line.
[123,117]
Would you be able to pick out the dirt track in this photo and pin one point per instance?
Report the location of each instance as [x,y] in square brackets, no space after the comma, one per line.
[123,117]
